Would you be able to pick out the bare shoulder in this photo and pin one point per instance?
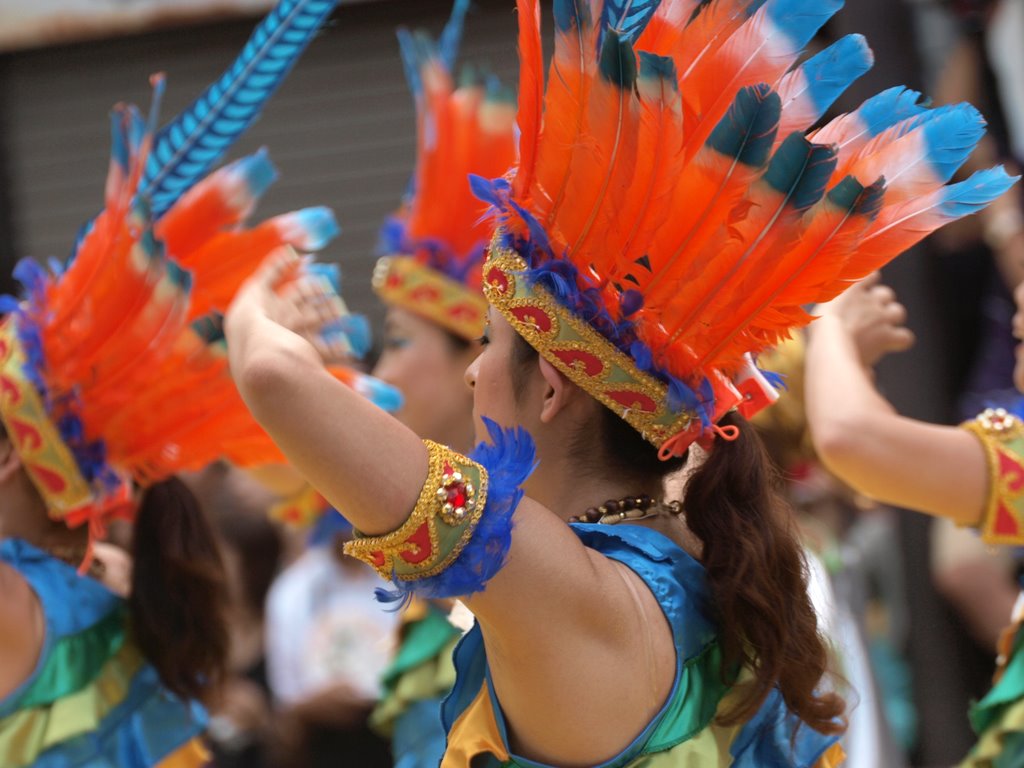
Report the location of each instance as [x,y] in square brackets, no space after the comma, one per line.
[22,630]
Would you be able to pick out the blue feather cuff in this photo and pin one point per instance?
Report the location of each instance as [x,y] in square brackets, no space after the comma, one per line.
[509,459]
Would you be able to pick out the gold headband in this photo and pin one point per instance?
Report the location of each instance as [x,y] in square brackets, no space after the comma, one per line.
[404,282]
[49,462]
[577,350]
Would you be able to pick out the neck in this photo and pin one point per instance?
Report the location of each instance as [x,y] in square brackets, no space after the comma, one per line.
[568,487]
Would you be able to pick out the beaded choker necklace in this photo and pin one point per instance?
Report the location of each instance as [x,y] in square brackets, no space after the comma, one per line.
[627,509]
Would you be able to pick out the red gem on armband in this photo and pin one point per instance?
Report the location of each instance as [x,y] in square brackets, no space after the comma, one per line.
[457,495]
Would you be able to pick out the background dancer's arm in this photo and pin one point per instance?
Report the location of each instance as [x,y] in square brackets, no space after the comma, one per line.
[859,435]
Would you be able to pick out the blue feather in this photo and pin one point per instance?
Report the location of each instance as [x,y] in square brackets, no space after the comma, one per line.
[833,70]
[658,69]
[800,20]
[975,193]
[409,51]
[186,149]
[355,329]
[951,136]
[451,35]
[627,17]
[617,63]
[329,272]
[572,14]
[747,131]
[889,107]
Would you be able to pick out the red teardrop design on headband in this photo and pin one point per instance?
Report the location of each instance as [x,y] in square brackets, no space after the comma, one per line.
[9,390]
[394,280]
[26,436]
[425,293]
[581,361]
[497,279]
[422,540]
[533,316]
[377,558]
[629,398]
[52,480]
[464,312]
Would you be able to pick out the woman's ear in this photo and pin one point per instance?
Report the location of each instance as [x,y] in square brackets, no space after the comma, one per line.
[10,461]
[558,391]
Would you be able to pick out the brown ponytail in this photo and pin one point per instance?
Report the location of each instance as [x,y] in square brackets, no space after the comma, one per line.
[751,553]
[756,569]
[179,592]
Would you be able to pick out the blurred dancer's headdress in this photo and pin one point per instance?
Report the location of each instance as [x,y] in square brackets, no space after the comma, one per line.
[113,367]
[674,211]
[434,245]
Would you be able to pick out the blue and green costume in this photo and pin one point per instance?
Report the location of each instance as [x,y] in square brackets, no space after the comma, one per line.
[684,731]
[92,700]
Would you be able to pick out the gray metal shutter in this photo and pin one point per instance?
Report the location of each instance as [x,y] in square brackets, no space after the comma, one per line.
[341,129]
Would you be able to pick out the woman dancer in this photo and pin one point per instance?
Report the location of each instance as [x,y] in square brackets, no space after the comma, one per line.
[113,376]
[969,474]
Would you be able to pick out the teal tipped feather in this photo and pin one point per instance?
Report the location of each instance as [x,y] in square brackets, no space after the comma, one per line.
[186,149]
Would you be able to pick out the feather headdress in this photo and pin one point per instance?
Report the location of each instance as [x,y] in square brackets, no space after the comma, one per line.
[433,246]
[673,212]
[113,368]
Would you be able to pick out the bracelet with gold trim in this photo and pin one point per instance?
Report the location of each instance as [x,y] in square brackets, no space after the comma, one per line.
[442,523]
[1002,438]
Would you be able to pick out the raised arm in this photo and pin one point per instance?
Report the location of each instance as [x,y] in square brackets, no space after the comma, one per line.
[373,468]
[361,459]
[939,470]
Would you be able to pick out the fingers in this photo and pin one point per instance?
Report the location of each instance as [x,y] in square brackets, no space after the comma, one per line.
[901,339]
[894,313]
[883,293]
[280,266]
[871,280]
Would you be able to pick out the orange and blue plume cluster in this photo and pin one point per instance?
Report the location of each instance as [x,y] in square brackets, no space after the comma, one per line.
[461,129]
[127,338]
[674,190]
[125,343]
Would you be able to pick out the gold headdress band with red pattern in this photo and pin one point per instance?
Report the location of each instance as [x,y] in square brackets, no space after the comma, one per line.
[402,281]
[434,245]
[590,361]
[49,462]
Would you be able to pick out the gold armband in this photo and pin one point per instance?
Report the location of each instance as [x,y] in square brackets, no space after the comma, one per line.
[441,524]
[1002,437]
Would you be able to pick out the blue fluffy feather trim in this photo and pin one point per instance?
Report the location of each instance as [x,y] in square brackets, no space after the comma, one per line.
[90,455]
[509,458]
[435,253]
